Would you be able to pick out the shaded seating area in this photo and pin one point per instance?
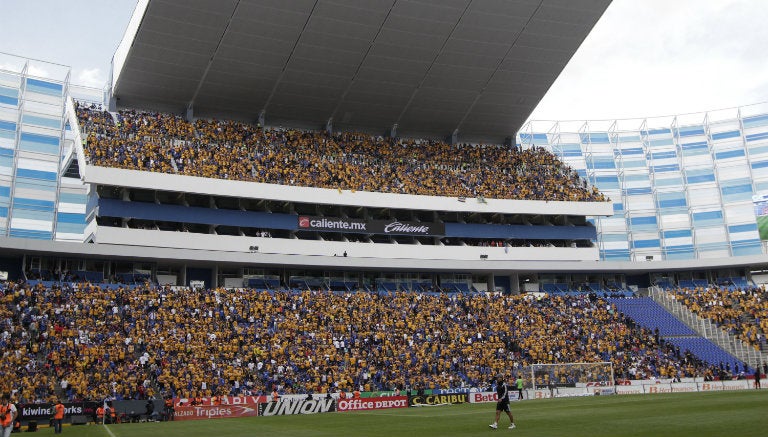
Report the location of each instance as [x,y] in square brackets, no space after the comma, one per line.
[652,316]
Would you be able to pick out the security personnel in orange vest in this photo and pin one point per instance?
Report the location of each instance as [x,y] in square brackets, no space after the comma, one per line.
[100,414]
[169,408]
[356,394]
[275,396]
[58,417]
[8,414]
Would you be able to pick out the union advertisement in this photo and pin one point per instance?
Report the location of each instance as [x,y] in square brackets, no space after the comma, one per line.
[386,227]
[285,407]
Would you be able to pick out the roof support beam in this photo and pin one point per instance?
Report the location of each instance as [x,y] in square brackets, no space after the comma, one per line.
[496,70]
[190,114]
[432,64]
[213,56]
[362,61]
[289,58]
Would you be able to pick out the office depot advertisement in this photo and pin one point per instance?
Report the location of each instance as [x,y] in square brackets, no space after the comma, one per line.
[372,403]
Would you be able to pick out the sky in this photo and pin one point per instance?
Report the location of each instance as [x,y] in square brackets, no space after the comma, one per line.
[663,57]
[644,58]
[81,34]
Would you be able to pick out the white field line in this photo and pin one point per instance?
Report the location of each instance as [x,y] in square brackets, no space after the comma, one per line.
[111,434]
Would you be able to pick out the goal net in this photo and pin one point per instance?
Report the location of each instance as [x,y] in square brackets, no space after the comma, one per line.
[573,375]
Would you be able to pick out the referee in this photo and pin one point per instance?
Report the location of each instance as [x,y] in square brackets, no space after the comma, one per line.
[503,404]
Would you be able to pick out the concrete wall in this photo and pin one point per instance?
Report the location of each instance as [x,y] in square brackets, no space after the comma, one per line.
[185,240]
[251,190]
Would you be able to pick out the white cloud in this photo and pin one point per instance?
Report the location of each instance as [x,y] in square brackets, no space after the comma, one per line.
[32,69]
[36,71]
[89,77]
[658,57]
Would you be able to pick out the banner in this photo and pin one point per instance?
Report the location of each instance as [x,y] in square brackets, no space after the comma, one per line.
[760,203]
[680,387]
[450,391]
[634,389]
[658,388]
[710,386]
[215,412]
[286,407]
[488,396]
[137,408]
[591,384]
[541,394]
[378,394]
[372,403]
[387,227]
[44,412]
[602,391]
[739,384]
[225,400]
[434,400]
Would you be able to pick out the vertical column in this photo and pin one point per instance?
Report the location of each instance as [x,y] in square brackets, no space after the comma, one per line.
[514,283]
[10,85]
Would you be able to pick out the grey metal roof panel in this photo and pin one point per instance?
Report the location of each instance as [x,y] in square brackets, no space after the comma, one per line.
[431,66]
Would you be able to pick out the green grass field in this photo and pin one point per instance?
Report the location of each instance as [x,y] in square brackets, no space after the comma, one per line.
[762,227]
[732,414]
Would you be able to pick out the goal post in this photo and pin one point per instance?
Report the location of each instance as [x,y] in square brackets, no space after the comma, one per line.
[572,375]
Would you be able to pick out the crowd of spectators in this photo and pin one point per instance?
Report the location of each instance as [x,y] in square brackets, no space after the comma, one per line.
[141,342]
[220,149]
[743,312]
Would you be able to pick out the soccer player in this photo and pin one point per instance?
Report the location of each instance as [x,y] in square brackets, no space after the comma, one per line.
[503,404]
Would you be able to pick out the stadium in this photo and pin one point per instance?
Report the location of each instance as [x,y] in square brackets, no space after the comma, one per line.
[286,208]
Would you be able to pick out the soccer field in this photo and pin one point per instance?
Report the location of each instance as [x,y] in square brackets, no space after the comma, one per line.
[731,413]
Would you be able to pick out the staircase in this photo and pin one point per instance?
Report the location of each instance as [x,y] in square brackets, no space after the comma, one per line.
[748,318]
[709,330]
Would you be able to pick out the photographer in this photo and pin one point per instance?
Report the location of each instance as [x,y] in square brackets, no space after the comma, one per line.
[168,412]
[8,414]
[150,411]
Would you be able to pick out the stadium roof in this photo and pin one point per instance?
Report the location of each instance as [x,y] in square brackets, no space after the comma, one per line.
[431,67]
